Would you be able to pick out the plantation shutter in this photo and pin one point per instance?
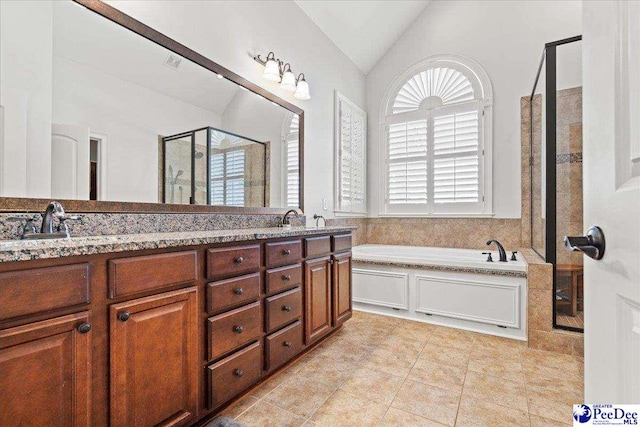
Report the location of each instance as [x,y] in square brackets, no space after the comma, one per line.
[351,157]
[407,163]
[235,178]
[227,178]
[456,156]
[293,175]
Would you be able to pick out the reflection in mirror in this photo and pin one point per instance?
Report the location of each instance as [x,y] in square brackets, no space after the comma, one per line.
[93,111]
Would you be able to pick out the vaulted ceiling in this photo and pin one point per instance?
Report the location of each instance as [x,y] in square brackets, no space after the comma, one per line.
[364,30]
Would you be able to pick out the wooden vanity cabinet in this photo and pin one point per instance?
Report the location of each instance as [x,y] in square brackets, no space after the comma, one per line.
[45,373]
[341,287]
[154,375]
[163,337]
[317,288]
[327,286]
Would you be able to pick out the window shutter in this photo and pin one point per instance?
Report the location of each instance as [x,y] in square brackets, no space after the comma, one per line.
[235,178]
[351,157]
[217,179]
[227,178]
[456,158]
[293,176]
[407,167]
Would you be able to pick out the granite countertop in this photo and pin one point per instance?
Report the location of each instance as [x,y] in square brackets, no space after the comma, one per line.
[24,250]
[439,267]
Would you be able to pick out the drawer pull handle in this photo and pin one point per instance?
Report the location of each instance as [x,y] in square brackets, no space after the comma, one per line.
[238,329]
[286,252]
[238,291]
[238,373]
[286,277]
[286,344]
[239,260]
[84,328]
[286,308]
[124,316]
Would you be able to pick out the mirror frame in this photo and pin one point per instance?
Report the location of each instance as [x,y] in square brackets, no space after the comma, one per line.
[23,204]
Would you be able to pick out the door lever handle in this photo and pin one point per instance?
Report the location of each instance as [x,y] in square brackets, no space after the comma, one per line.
[592,245]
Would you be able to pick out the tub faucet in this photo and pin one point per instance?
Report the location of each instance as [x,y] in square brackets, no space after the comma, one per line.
[503,254]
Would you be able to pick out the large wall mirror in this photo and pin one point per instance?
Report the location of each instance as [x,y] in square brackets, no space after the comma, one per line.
[97,107]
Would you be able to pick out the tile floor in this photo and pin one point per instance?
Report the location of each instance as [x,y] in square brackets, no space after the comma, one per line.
[382,371]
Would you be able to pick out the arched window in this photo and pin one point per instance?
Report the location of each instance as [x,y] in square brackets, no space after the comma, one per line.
[437,129]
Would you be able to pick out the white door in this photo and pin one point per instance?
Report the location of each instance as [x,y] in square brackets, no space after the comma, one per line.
[70,162]
[612,199]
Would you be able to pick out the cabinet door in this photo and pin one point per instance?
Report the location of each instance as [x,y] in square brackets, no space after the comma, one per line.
[317,296]
[341,288]
[154,363]
[45,375]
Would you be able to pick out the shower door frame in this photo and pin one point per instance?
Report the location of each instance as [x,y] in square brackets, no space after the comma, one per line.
[549,56]
[192,133]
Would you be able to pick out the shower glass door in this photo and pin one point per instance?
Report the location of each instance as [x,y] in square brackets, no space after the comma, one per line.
[569,272]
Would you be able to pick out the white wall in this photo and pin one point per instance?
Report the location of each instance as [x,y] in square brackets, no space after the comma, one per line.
[85,96]
[25,79]
[231,32]
[506,38]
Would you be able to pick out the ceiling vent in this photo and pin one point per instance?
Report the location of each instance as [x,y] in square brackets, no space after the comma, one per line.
[173,61]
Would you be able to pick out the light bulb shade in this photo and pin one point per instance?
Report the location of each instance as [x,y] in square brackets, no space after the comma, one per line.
[288,81]
[302,90]
[271,71]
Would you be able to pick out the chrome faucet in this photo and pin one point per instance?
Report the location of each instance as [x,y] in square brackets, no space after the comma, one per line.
[54,210]
[503,254]
[47,230]
[286,222]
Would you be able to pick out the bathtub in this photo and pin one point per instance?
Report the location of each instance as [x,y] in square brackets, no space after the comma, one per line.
[444,286]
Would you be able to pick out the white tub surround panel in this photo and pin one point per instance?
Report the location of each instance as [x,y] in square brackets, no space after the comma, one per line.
[447,287]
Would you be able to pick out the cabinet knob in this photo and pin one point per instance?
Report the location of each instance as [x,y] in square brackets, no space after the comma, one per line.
[238,373]
[239,260]
[286,277]
[238,329]
[238,291]
[124,316]
[286,308]
[286,252]
[84,327]
[286,344]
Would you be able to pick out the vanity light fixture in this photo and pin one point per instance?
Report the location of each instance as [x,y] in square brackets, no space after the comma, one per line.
[302,88]
[276,70]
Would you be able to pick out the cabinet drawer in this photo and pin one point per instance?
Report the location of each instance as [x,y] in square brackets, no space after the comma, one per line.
[233,329]
[234,374]
[284,277]
[281,346]
[235,260]
[232,292]
[41,289]
[129,276]
[283,308]
[283,253]
[317,246]
[341,242]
